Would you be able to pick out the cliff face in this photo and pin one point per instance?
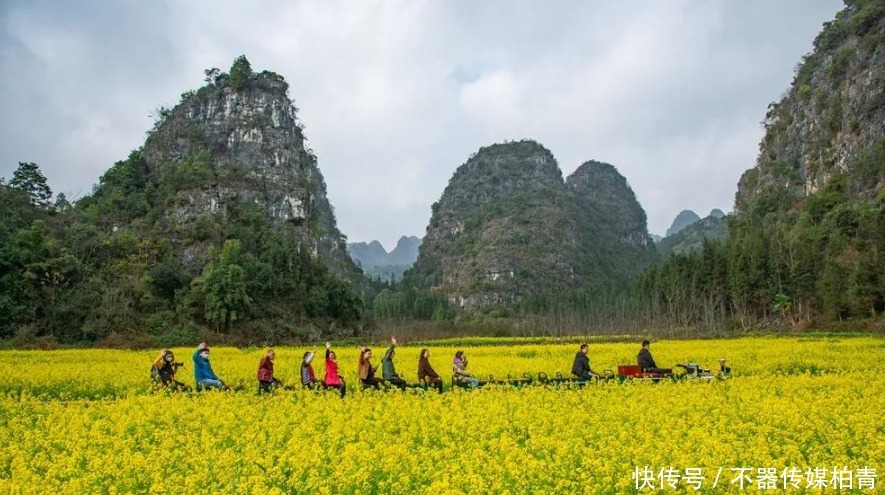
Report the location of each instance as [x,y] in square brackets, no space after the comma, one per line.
[508,227]
[238,150]
[219,221]
[809,218]
[831,117]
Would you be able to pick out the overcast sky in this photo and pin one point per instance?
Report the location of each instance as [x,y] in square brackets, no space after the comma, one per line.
[395,95]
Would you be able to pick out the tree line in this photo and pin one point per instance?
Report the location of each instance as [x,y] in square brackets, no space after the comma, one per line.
[82,272]
[112,263]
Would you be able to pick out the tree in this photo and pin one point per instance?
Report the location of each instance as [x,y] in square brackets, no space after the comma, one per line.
[240,73]
[211,74]
[61,203]
[784,305]
[29,179]
[224,286]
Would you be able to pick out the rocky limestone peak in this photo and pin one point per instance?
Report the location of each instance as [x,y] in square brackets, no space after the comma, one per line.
[691,238]
[831,119]
[508,228]
[502,230]
[240,143]
[604,193]
[406,250]
[376,262]
[367,254]
[612,225]
[682,220]
[815,201]
[495,171]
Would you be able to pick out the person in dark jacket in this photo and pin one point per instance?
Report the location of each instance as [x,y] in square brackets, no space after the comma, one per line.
[163,371]
[426,373]
[388,372]
[266,381]
[646,362]
[308,378]
[581,366]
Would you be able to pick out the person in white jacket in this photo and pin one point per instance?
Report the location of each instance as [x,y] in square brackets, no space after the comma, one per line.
[308,378]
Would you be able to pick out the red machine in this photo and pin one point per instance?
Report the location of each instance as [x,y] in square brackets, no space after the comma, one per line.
[626,371]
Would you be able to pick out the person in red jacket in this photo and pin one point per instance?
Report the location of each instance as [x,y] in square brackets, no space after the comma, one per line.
[332,378]
[266,380]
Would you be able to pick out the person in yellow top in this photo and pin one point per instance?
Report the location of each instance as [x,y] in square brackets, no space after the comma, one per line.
[163,371]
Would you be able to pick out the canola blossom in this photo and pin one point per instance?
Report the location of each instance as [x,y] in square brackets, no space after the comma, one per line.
[86,421]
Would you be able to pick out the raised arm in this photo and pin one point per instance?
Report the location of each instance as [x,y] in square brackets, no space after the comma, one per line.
[389,349]
[328,349]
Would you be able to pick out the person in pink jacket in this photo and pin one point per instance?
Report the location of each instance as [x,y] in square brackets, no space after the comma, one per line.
[332,378]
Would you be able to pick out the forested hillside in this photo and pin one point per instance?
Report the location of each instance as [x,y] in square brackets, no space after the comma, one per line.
[219,223]
[807,239]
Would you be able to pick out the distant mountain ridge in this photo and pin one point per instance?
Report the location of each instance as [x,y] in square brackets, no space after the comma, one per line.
[682,220]
[376,262]
[690,238]
[688,231]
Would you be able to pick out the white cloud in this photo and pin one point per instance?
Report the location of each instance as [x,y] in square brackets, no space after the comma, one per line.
[495,99]
[397,94]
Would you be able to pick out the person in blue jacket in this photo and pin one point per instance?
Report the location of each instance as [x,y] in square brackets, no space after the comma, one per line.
[203,374]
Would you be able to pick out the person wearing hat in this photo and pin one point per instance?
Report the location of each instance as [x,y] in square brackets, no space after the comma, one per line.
[164,368]
[203,374]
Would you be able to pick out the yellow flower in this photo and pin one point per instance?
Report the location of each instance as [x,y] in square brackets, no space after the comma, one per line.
[87,421]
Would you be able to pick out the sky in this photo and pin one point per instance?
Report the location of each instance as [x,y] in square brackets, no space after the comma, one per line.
[395,95]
